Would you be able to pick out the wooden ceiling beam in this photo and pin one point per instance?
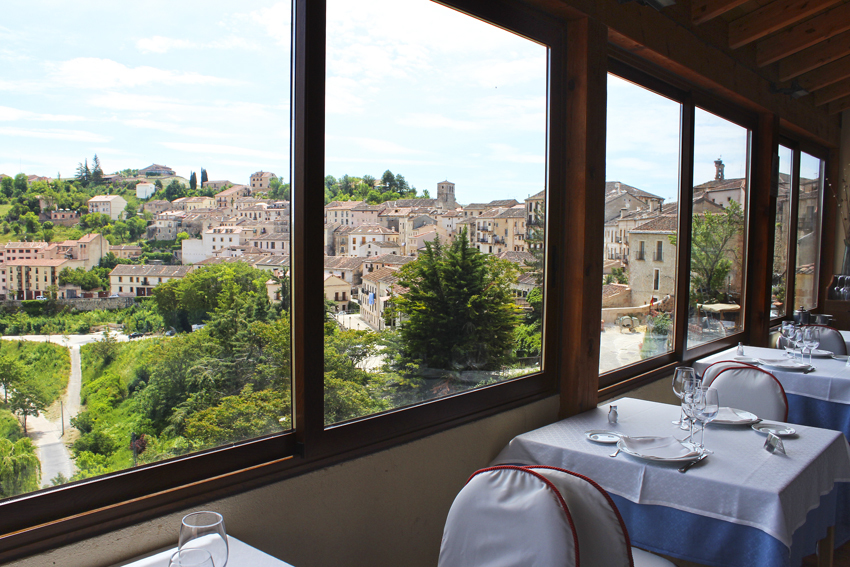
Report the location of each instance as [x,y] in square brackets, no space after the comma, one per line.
[773,17]
[803,35]
[815,56]
[826,75]
[705,10]
[839,105]
[833,92]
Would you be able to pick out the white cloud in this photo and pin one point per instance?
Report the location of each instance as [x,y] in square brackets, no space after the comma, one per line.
[437,121]
[8,114]
[341,97]
[275,20]
[160,44]
[53,134]
[507,153]
[94,73]
[221,149]
[383,147]
[173,128]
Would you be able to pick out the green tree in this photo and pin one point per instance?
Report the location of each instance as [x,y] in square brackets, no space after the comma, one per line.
[236,418]
[459,312]
[27,399]
[204,177]
[715,239]
[8,187]
[193,182]
[12,373]
[84,173]
[20,469]
[175,190]
[96,172]
[21,184]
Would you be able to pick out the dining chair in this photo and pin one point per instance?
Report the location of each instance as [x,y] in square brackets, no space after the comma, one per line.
[746,387]
[508,516]
[831,340]
[711,371]
[512,516]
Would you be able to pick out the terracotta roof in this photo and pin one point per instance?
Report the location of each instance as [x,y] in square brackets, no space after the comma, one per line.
[372,229]
[344,204]
[245,259]
[36,262]
[151,271]
[513,213]
[663,223]
[271,260]
[612,186]
[393,259]
[232,190]
[343,263]
[516,257]
[383,275]
[537,196]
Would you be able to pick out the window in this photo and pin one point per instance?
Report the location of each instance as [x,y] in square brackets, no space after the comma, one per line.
[782,224]
[656,279]
[810,192]
[717,254]
[659,252]
[641,252]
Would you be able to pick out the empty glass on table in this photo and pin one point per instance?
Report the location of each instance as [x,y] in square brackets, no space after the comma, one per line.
[811,339]
[788,330]
[706,407]
[191,558]
[681,375]
[205,530]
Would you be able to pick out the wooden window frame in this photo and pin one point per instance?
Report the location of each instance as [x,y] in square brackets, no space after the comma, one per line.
[38,521]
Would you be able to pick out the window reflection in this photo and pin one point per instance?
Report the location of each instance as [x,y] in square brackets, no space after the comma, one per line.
[808,231]
[780,243]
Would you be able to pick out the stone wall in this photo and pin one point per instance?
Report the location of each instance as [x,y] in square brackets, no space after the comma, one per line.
[86,304]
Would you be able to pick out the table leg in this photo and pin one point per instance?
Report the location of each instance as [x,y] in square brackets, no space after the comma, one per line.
[825,548]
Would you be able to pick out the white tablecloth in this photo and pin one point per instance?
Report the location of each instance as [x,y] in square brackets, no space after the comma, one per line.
[740,483]
[240,555]
[830,382]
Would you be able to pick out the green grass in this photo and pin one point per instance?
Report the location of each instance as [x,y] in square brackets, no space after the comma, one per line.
[48,364]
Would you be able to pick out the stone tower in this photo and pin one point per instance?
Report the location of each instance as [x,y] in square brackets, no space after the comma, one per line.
[446,195]
[718,169]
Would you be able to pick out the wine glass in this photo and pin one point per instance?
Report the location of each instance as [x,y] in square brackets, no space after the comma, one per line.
[798,341]
[811,338]
[787,333]
[681,375]
[191,558]
[706,407]
[205,530]
[690,388]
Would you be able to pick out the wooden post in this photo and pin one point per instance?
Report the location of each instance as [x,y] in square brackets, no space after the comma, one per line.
[581,250]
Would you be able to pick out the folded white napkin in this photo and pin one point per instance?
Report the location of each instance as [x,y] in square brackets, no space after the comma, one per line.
[783,363]
[658,447]
[729,414]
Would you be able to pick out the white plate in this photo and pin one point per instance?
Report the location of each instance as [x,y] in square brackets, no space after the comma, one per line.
[732,416]
[603,436]
[784,364]
[842,357]
[780,429]
[693,452]
[747,359]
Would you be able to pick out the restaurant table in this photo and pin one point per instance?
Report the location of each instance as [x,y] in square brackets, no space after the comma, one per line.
[240,554]
[820,398]
[740,507]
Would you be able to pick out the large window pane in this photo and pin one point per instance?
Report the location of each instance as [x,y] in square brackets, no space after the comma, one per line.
[719,219]
[641,221]
[808,231]
[153,146]
[780,242]
[435,204]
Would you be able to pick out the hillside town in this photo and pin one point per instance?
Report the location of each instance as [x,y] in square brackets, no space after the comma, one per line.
[364,244]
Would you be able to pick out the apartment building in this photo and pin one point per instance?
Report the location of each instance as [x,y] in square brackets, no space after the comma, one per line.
[130,280]
[109,205]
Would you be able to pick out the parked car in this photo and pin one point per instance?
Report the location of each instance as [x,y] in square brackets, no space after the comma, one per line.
[114,295]
[135,335]
[41,298]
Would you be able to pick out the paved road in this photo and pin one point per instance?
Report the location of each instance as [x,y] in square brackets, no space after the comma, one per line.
[45,433]
[353,321]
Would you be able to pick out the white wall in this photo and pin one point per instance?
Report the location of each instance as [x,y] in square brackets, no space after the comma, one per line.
[193,250]
[386,509]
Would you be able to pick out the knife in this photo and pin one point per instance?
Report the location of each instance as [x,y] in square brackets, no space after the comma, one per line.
[689,464]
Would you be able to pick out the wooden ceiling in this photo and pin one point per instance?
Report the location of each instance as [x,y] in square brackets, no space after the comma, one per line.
[805,44]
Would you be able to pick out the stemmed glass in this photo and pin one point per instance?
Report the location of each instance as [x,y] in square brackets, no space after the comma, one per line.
[788,331]
[191,558]
[205,530]
[680,376]
[706,407]
[691,387]
[811,339]
[798,341]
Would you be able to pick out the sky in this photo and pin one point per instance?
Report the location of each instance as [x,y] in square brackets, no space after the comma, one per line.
[412,87]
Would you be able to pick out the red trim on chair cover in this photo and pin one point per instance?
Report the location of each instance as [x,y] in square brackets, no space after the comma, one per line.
[738,362]
[778,383]
[552,487]
[607,496]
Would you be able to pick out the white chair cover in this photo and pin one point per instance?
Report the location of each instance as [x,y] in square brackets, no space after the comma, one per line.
[712,370]
[831,340]
[509,517]
[752,389]
[602,535]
